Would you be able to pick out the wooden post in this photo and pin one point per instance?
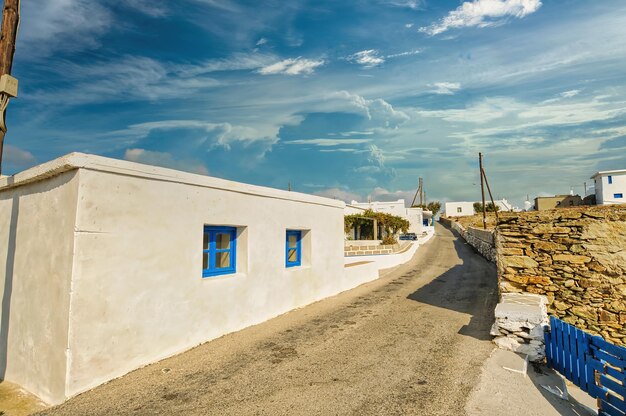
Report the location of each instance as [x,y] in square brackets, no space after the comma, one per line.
[375,229]
[495,209]
[482,189]
[10,22]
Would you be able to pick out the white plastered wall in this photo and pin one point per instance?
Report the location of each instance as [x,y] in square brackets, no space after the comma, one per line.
[138,292]
[36,246]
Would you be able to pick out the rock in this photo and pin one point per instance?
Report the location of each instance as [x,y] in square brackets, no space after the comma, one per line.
[550,229]
[520,262]
[569,283]
[571,258]
[541,280]
[561,306]
[606,316]
[549,246]
[512,251]
[585,312]
[495,330]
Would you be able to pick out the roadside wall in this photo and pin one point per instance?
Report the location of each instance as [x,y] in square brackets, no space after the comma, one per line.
[481,240]
[36,245]
[576,257]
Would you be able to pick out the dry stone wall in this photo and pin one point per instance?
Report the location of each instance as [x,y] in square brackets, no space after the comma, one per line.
[481,240]
[575,257]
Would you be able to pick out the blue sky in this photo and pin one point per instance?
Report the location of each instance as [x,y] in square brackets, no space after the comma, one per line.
[350,99]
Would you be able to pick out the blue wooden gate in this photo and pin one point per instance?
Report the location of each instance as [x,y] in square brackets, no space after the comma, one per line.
[593,364]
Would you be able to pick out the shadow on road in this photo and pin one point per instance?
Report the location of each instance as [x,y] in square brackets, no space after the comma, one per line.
[470,288]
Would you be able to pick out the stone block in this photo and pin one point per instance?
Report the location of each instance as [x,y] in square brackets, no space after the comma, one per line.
[550,229]
[571,258]
[520,262]
[549,246]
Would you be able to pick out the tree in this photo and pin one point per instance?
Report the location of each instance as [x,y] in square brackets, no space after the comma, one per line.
[392,224]
[478,207]
[434,207]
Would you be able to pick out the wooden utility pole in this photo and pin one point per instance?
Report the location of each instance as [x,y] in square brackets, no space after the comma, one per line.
[8,85]
[418,192]
[495,208]
[482,189]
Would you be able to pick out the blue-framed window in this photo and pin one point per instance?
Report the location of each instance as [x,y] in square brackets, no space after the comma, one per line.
[618,196]
[610,179]
[293,250]
[219,250]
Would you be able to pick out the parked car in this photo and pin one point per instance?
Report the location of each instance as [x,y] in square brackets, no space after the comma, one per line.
[408,236]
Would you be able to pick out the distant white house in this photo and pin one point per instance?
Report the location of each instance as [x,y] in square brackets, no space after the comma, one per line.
[505,205]
[459,209]
[415,216]
[610,186]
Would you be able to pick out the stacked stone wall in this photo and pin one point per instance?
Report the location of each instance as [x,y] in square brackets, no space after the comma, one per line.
[575,257]
[481,240]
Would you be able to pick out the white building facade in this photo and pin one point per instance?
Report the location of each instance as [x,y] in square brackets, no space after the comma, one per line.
[413,215]
[610,187]
[459,209]
[109,265]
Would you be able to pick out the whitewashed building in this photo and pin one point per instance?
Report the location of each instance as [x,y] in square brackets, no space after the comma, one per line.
[459,209]
[610,187]
[415,216]
[110,265]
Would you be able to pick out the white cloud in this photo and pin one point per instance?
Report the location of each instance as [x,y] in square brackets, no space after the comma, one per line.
[338,193]
[483,111]
[368,58]
[408,25]
[382,194]
[328,142]
[140,78]
[410,4]
[17,158]
[297,66]
[51,25]
[376,156]
[378,111]
[164,159]
[570,93]
[482,13]
[217,134]
[446,88]
[407,53]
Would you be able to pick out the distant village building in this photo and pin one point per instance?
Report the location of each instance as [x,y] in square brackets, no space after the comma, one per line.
[415,216]
[459,209]
[543,203]
[463,209]
[610,187]
[110,265]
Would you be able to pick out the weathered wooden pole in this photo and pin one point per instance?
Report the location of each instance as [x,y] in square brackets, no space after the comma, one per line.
[482,189]
[495,208]
[10,22]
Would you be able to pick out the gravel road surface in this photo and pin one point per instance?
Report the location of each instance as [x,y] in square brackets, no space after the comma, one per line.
[412,342]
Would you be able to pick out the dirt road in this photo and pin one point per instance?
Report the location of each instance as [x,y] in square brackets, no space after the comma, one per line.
[412,342]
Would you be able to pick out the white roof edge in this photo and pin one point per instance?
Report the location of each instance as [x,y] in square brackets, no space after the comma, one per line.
[607,172]
[77,160]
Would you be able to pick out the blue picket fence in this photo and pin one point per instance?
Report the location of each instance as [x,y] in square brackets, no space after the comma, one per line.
[593,364]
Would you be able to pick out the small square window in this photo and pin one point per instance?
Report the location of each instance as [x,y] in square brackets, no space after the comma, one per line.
[618,196]
[293,251]
[219,251]
[610,179]
[459,209]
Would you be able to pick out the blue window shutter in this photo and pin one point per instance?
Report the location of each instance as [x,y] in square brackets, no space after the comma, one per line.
[610,179]
[213,269]
[297,249]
